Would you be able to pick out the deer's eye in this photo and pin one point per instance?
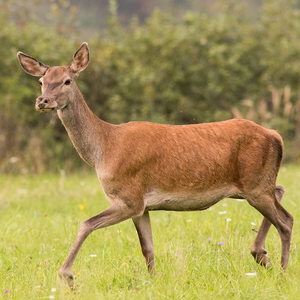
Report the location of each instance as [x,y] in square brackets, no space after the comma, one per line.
[67,82]
[40,83]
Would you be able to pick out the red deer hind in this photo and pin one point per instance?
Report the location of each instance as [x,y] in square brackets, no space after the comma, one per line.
[146,166]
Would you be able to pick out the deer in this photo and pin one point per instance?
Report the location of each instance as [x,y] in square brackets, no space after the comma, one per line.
[144,166]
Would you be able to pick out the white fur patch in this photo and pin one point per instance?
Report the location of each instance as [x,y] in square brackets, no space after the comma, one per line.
[157,200]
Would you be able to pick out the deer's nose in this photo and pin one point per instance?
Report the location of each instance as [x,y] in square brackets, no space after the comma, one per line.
[41,102]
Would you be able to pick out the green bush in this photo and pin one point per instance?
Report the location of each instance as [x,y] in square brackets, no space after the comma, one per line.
[198,69]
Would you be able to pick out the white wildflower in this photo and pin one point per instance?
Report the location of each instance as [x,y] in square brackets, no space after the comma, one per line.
[222,212]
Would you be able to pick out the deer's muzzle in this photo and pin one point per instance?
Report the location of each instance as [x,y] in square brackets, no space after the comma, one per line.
[45,104]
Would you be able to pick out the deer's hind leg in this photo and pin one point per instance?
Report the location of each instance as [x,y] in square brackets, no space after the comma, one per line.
[275,214]
[258,248]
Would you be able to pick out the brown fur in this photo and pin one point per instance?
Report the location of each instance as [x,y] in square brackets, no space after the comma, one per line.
[146,166]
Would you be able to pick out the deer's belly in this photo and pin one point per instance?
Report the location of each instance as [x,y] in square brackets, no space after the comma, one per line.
[157,200]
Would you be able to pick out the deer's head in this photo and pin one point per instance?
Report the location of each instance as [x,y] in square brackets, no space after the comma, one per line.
[57,82]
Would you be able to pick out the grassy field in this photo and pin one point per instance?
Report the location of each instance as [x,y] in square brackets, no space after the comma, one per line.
[39,218]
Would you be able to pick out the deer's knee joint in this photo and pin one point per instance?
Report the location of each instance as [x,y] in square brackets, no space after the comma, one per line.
[289,223]
[285,233]
[291,219]
[147,250]
[85,229]
[280,190]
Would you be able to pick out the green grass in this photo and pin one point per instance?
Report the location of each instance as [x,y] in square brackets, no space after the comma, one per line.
[40,216]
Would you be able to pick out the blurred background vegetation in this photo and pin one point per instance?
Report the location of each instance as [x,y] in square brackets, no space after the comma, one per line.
[169,61]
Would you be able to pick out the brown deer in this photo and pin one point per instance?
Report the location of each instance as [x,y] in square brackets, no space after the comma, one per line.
[146,166]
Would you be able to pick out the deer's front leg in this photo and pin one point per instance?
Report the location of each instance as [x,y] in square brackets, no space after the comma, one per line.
[116,213]
[143,228]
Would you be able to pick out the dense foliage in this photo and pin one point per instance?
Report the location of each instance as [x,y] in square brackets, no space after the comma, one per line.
[198,69]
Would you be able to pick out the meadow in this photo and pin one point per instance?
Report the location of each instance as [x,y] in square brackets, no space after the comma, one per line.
[199,255]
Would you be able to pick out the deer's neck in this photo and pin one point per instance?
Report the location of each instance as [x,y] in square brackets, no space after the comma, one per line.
[87,132]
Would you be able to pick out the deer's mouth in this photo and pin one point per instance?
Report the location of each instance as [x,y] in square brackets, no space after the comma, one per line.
[45,110]
[45,105]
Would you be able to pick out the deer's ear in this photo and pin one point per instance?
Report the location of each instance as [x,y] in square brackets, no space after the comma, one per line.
[31,65]
[80,59]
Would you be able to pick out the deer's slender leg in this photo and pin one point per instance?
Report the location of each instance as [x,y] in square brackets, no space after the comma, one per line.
[273,211]
[258,249]
[143,227]
[116,213]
